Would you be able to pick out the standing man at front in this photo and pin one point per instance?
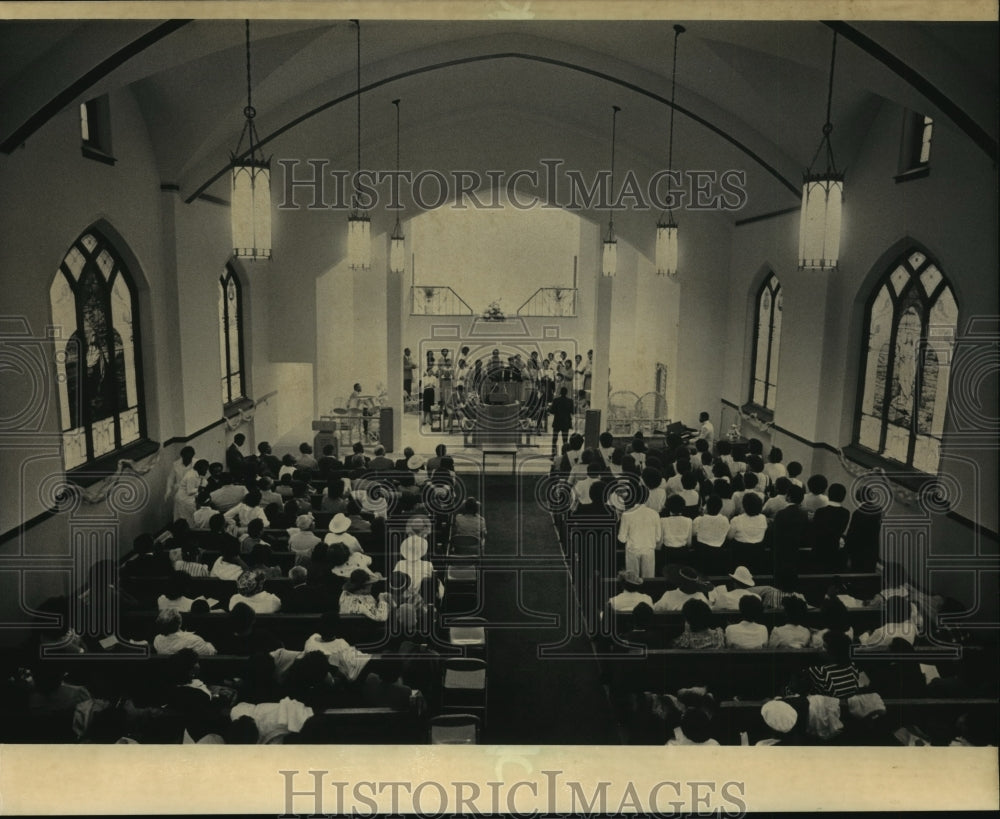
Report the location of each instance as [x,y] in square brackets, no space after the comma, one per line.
[561,411]
[706,432]
[357,401]
[640,532]
[235,456]
[407,373]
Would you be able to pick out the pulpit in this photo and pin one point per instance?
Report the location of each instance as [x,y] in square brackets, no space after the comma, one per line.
[497,424]
[326,433]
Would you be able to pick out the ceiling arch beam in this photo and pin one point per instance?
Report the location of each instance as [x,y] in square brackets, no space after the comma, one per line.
[792,187]
[953,110]
[81,84]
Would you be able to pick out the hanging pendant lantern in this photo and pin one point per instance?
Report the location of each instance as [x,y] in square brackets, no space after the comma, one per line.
[250,199]
[359,225]
[609,256]
[667,230]
[822,200]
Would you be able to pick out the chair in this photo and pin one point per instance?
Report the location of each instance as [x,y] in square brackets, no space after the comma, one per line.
[454,729]
[463,585]
[651,412]
[463,571]
[463,686]
[469,632]
[465,546]
[621,412]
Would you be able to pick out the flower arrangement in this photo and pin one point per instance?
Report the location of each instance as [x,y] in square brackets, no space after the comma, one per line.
[734,433]
[430,293]
[493,312]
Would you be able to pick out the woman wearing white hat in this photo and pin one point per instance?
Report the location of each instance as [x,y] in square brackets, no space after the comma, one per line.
[412,551]
[301,538]
[782,717]
[339,524]
[728,596]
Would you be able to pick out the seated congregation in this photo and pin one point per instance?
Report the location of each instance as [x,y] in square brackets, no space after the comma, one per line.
[296,600]
[745,607]
[272,609]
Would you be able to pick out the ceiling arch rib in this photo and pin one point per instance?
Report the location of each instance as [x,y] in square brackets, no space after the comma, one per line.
[625,84]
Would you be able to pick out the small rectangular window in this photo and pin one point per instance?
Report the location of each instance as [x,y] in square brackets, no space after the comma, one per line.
[925,141]
[915,146]
[95,129]
[85,121]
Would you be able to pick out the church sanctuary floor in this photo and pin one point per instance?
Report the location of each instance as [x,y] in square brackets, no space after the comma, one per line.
[544,682]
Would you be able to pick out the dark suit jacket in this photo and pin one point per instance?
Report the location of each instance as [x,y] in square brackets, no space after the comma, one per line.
[828,524]
[272,463]
[862,540]
[380,464]
[561,411]
[234,460]
[789,533]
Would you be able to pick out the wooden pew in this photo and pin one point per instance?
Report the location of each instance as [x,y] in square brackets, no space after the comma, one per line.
[147,589]
[291,629]
[728,673]
[936,717]
[294,629]
[672,622]
[813,586]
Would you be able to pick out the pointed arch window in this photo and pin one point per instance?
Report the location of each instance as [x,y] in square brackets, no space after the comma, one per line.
[98,369]
[231,337]
[766,345]
[911,321]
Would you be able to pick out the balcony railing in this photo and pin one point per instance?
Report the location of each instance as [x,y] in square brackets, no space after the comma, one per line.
[437,300]
[550,301]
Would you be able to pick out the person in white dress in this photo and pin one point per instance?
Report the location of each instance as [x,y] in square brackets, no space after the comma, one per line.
[191,484]
[177,472]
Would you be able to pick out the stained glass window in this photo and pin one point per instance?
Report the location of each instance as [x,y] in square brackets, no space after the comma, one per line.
[911,320]
[231,336]
[95,312]
[767,341]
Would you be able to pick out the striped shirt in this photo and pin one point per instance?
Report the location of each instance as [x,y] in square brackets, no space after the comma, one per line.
[835,680]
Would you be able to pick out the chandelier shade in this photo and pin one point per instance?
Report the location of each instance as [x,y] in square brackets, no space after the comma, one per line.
[819,223]
[359,241]
[666,249]
[397,250]
[250,209]
[609,256]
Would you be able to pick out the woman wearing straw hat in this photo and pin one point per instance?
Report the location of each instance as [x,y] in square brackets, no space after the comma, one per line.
[356,597]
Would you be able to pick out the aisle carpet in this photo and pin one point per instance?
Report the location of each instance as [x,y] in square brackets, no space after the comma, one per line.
[553,700]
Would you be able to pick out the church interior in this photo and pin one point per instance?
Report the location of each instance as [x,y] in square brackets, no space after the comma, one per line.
[204,259]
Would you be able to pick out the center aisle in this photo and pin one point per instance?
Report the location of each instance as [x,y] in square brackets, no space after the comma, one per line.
[533,699]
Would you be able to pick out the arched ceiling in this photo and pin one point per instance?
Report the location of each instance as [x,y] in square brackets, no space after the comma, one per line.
[750,92]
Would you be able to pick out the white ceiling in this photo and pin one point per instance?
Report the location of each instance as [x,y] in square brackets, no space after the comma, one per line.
[763,84]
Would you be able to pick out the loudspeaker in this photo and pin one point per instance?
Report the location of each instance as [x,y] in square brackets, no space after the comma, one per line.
[592,429]
[323,438]
[385,428]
